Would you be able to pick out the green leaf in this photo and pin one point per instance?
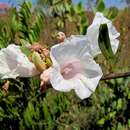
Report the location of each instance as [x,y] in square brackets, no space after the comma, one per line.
[129,95]
[100,6]
[129,123]
[104,42]
[101,121]
[119,104]
[47,114]
[120,126]
[79,8]
[112,13]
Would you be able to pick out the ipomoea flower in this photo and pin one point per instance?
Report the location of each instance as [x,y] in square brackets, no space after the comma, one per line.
[74,68]
[14,63]
[93,33]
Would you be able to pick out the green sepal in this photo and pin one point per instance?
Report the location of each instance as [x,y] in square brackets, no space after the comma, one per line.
[25,47]
[39,63]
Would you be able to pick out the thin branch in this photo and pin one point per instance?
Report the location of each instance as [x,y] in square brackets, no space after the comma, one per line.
[115,75]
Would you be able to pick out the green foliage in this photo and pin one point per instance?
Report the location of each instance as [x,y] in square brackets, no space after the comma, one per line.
[43,113]
[13,102]
[110,13]
[22,25]
[7,30]
[30,23]
[100,6]
[81,15]
[115,106]
[62,13]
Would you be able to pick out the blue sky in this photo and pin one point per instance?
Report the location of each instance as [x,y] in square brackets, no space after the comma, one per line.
[108,3]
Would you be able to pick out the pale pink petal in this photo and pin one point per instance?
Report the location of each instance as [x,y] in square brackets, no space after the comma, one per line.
[45,76]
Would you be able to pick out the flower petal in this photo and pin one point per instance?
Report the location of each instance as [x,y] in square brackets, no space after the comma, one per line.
[45,76]
[82,89]
[86,86]
[89,78]
[93,33]
[115,44]
[70,49]
[90,68]
[58,82]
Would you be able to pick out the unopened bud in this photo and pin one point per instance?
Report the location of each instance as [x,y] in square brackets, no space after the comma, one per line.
[60,37]
[39,63]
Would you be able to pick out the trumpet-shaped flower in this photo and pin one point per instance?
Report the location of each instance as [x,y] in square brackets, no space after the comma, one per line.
[74,68]
[14,63]
[93,33]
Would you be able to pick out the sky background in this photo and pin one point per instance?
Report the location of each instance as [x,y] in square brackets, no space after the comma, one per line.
[108,3]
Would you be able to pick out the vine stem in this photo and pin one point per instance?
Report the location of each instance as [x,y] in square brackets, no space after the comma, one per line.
[115,75]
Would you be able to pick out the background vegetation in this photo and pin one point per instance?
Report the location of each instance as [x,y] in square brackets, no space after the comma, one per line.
[24,107]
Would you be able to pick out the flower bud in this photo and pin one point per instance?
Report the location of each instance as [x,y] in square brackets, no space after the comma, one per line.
[60,37]
[39,63]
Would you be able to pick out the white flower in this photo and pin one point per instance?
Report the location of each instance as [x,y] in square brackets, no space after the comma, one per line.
[93,33]
[74,68]
[14,63]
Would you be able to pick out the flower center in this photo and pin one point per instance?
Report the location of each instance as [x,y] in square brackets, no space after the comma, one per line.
[70,69]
